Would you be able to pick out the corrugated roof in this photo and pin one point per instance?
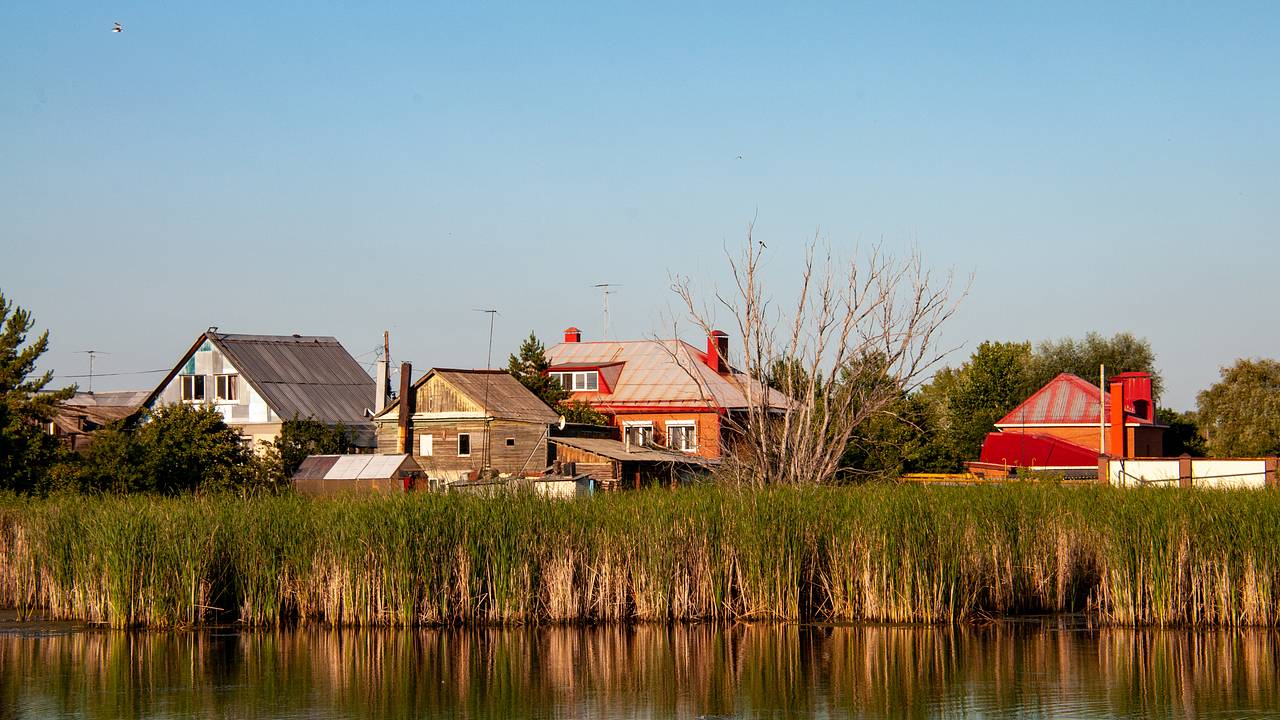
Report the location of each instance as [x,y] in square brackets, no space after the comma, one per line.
[302,376]
[660,372]
[616,450]
[497,390]
[1065,400]
[354,467]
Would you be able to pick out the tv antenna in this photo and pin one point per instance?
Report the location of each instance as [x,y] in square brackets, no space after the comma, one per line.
[606,291]
[91,354]
[488,365]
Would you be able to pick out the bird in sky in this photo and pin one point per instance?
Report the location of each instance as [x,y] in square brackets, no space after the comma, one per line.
[118,28]
[739,157]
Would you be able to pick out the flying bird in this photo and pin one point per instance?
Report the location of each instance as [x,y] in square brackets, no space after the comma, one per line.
[118,28]
[739,157]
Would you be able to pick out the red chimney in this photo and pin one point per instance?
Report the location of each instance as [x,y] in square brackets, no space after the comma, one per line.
[718,351]
[1137,395]
[572,335]
[1116,439]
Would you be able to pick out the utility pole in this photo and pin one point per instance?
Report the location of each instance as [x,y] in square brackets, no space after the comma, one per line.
[384,375]
[606,291]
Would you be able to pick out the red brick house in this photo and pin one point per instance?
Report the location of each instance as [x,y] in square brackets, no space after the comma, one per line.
[1068,423]
[660,393]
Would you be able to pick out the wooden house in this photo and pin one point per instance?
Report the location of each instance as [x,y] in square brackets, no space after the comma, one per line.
[663,394]
[259,381]
[460,424]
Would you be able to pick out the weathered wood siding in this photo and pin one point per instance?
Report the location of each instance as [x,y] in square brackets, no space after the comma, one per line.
[528,449]
[588,463]
[438,396]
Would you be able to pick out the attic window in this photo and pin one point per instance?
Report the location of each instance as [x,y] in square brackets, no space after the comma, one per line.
[224,387]
[511,442]
[588,381]
[192,388]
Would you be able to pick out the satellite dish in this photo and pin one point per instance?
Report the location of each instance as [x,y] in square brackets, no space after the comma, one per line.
[560,424]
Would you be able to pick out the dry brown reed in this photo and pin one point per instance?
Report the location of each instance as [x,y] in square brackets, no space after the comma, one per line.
[880,553]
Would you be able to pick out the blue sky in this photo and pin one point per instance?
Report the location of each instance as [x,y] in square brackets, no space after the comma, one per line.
[328,169]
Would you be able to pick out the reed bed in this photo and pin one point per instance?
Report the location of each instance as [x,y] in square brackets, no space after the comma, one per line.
[876,553]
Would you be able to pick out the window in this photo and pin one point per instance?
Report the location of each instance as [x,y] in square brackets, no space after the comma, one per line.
[682,435]
[588,381]
[638,434]
[464,445]
[427,445]
[192,388]
[224,387]
[511,442]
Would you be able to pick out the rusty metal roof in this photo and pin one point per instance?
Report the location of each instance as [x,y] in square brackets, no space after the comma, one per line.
[669,373]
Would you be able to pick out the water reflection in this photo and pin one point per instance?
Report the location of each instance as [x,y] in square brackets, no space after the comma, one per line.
[1052,668]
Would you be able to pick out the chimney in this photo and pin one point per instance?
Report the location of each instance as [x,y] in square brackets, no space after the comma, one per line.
[383,382]
[1137,395]
[718,351]
[1116,442]
[404,443]
[572,335]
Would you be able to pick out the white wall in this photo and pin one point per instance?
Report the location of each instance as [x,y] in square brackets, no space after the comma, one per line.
[1205,473]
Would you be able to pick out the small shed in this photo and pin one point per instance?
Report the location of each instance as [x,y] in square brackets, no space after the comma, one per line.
[330,474]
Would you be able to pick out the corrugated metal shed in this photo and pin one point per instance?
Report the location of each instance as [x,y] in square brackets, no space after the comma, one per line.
[355,467]
[669,373]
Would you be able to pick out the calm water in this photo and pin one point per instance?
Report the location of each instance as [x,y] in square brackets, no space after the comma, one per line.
[1056,668]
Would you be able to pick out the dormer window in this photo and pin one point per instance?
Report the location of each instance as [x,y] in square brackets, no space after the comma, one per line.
[588,381]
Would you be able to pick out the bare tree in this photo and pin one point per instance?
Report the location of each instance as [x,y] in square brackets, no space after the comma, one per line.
[863,333]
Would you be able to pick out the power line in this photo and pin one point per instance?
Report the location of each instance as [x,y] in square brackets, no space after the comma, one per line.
[112,374]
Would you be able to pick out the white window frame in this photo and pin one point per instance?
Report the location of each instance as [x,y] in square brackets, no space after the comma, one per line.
[230,383]
[427,445]
[692,425]
[578,380]
[191,379]
[466,435]
[646,425]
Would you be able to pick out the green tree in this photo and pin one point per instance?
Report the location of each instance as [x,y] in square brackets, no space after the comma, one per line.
[175,449]
[1121,352]
[963,405]
[302,437]
[1240,414]
[1182,436]
[26,450]
[529,365]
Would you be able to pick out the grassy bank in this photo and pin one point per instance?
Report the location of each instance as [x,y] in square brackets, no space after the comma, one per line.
[882,553]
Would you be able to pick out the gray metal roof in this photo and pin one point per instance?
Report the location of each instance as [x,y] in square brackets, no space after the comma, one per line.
[302,376]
